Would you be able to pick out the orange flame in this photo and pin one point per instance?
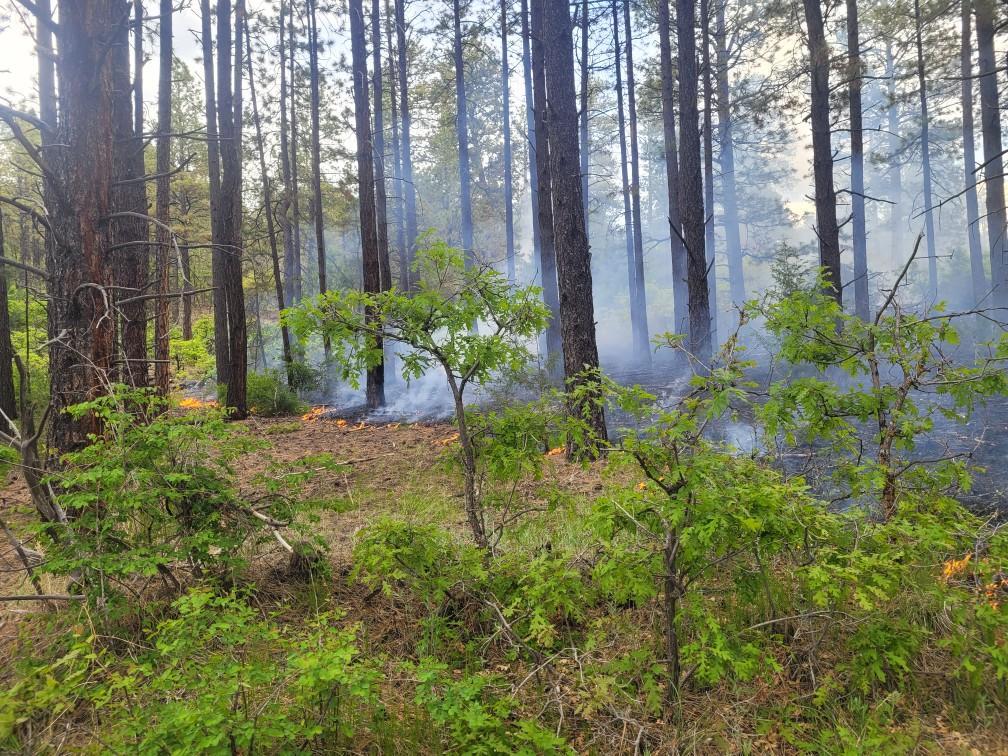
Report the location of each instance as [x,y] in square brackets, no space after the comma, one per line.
[955,567]
[449,440]
[315,413]
[190,402]
[557,451]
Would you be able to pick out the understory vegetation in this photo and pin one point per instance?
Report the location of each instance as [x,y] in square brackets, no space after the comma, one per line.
[221,593]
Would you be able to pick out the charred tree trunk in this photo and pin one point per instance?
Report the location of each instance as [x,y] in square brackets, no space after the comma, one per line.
[288,356]
[638,304]
[726,155]
[926,159]
[981,285]
[409,190]
[229,116]
[708,152]
[462,131]
[990,125]
[583,121]
[366,185]
[691,185]
[8,401]
[547,239]
[854,82]
[679,289]
[574,277]
[163,202]
[827,228]
[381,198]
[509,248]
[81,327]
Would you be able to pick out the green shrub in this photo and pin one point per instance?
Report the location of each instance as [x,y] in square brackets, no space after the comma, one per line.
[267,395]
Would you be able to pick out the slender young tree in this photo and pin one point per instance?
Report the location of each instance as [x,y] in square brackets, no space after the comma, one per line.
[285,214]
[8,402]
[574,278]
[925,141]
[628,226]
[895,167]
[708,153]
[366,183]
[187,288]
[827,228]
[398,208]
[462,132]
[267,190]
[547,248]
[509,247]
[381,198]
[990,126]
[638,306]
[295,198]
[726,158]
[691,185]
[162,381]
[679,290]
[981,285]
[409,188]
[860,237]
[530,133]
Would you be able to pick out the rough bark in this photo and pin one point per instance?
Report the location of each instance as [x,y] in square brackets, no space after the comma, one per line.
[409,190]
[544,211]
[981,284]
[827,228]
[163,199]
[990,125]
[574,276]
[509,249]
[691,185]
[366,184]
[583,114]
[462,135]
[860,238]
[726,157]
[679,290]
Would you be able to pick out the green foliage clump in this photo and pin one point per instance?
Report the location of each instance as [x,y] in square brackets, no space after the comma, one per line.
[269,396]
[193,358]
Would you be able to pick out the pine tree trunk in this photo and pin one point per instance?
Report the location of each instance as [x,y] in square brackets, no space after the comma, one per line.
[530,134]
[297,277]
[854,82]
[726,155]
[285,210]
[509,247]
[583,120]
[822,151]
[638,304]
[163,201]
[990,125]
[288,356]
[679,288]
[318,216]
[628,227]
[547,239]
[981,285]
[409,190]
[187,287]
[8,402]
[708,152]
[574,276]
[366,185]
[691,185]
[81,329]
[398,208]
[895,147]
[462,132]
[926,161]
[229,117]
[381,198]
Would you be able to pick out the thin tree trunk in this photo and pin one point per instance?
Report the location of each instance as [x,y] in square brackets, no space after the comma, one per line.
[8,401]
[925,161]
[409,189]
[509,247]
[187,287]
[990,125]
[381,198]
[638,304]
[726,154]
[366,185]
[574,277]
[297,291]
[691,185]
[530,134]
[316,160]
[547,240]
[268,202]
[827,228]
[981,284]
[679,288]
[708,151]
[285,210]
[398,209]
[583,121]
[462,131]
[854,83]
[229,116]
[162,378]
[895,146]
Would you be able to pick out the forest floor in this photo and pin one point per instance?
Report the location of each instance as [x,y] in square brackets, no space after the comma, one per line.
[404,470]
